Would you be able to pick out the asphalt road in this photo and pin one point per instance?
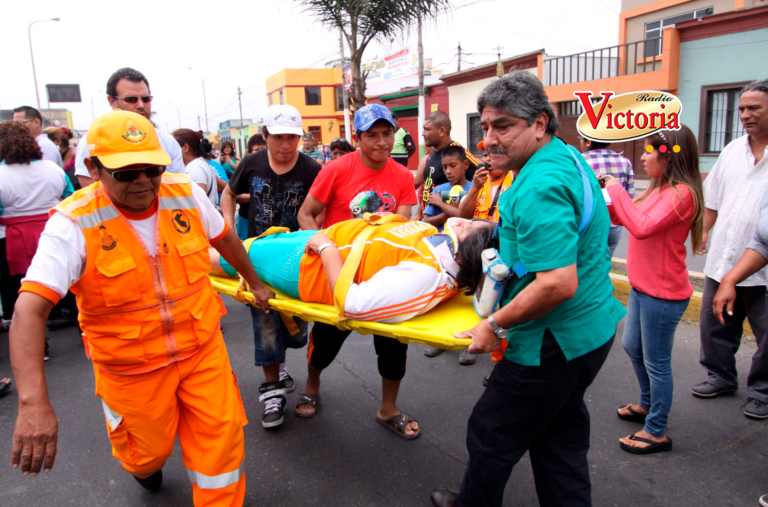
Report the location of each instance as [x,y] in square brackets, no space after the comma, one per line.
[342,457]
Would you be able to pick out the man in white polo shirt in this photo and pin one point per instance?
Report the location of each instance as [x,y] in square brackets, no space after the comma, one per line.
[733,193]
[128,89]
[33,120]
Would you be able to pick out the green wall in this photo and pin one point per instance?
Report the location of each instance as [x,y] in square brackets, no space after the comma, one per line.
[731,58]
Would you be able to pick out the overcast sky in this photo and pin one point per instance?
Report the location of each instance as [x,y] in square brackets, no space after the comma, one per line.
[240,42]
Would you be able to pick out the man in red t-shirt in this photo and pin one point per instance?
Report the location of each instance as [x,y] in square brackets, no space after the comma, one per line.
[365,181]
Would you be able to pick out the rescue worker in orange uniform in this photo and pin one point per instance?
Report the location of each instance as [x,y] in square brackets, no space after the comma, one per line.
[133,247]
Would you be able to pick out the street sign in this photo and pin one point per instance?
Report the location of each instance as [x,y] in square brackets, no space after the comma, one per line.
[63,92]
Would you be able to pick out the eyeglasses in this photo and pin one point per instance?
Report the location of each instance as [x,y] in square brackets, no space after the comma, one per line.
[132,100]
[24,121]
[128,175]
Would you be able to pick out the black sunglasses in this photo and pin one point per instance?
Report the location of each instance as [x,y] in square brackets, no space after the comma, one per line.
[128,175]
[132,100]
[339,139]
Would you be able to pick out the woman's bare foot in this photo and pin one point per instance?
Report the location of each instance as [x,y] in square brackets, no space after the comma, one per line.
[642,434]
[637,408]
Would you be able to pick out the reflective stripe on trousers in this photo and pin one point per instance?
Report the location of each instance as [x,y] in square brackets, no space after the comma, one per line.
[215,481]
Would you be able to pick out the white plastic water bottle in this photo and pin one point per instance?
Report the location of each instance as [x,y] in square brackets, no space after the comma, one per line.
[492,283]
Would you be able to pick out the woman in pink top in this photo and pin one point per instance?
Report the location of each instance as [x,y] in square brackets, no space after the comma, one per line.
[659,221]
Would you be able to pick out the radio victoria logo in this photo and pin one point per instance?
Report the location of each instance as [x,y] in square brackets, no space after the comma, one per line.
[627,116]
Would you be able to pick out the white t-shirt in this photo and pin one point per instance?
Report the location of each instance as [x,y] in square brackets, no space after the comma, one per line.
[50,150]
[32,189]
[169,144]
[61,253]
[200,172]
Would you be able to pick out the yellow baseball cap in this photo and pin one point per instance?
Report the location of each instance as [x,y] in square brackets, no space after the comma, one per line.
[122,138]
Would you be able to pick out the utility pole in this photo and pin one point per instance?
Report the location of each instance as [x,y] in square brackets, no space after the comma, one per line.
[345,93]
[240,102]
[459,67]
[421,89]
[198,123]
[205,104]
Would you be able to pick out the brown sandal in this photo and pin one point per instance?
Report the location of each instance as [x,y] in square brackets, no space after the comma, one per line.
[312,400]
[397,424]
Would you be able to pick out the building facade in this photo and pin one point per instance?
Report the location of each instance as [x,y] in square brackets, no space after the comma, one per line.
[317,94]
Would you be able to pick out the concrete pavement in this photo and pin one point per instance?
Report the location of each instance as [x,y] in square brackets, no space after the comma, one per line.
[342,457]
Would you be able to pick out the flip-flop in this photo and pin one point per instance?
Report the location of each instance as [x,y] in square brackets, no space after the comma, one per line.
[5,387]
[633,416]
[312,400]
[652,448]
[397,424]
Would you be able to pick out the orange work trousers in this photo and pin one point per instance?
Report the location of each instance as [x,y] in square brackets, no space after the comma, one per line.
[196,399]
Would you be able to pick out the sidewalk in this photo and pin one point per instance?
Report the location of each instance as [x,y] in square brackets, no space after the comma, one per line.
[342,457]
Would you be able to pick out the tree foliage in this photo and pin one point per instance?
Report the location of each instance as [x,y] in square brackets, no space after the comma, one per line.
[365,21]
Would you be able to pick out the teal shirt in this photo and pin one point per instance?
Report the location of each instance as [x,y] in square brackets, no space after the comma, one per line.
[315,155]
[540,216]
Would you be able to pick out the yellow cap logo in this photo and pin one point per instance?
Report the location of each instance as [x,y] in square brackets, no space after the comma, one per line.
[133,134]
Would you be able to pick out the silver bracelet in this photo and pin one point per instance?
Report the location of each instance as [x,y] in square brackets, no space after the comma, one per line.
[324,246]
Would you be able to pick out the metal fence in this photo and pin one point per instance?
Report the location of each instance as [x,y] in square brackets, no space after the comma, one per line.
[625,59]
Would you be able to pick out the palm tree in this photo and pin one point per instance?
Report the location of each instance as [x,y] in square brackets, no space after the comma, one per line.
[363,21]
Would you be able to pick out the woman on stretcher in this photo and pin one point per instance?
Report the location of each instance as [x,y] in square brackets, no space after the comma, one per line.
[407,267]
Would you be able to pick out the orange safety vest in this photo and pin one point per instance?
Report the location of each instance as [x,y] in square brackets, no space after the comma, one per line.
[485,197]
[390,243]
[139,312]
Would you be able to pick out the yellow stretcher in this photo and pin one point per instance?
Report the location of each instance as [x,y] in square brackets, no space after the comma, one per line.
[435,328]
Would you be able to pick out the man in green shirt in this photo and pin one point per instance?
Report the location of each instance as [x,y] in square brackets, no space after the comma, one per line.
[308,148]
[404,146]
[559,316]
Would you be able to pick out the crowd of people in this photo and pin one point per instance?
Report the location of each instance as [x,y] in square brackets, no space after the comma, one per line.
[122,224]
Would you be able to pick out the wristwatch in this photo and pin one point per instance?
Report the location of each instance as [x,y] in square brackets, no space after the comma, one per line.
[498,330]
[324,246]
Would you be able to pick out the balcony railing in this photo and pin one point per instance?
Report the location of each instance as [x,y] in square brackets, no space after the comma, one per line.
[622,60]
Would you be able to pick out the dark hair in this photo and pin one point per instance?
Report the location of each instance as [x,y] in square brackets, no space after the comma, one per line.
[256,140]
[455,151]
[520,94]
[343,145]
[199,146]
[470,258]
[394,116]
[440,119]
[128,73]
[30,113]
[682,169]
[757,86]
[597,145]
[17,146]
[58,134]
[231,147]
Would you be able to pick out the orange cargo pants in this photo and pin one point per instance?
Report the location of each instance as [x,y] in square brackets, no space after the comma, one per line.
[196,398]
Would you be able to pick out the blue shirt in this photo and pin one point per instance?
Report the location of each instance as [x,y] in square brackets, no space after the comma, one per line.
[445,187]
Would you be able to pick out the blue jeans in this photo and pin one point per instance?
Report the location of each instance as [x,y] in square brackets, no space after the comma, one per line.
[271,337]
[649,332]
[614,236]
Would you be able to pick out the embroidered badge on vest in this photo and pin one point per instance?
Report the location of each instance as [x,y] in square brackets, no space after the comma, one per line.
[107,241]
[181,221]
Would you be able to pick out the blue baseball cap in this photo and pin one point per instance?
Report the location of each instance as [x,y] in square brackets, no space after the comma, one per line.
[366,116]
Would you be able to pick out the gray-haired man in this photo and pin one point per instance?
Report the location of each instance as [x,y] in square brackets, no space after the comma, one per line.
[308,148]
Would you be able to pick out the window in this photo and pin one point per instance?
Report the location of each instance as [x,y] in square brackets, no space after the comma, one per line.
[317,134]
[312,95]
[654,29]
[342,132]
[474,133]
[281,96]
[339,98]
[270,99]
[720,124]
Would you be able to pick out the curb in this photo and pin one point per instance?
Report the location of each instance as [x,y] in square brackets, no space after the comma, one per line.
[621,289]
